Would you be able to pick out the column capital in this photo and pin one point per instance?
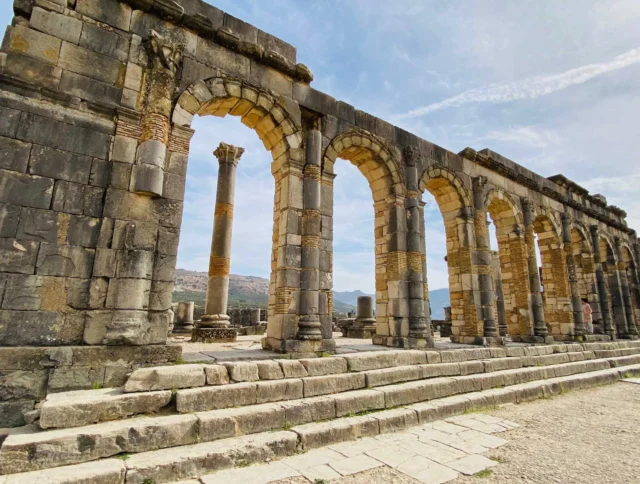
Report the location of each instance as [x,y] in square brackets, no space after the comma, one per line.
[411,155]
[527,204]
[166,52]
[594,229]
[479,182]
[227,153]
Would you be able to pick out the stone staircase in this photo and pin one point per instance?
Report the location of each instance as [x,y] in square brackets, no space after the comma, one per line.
[185,421]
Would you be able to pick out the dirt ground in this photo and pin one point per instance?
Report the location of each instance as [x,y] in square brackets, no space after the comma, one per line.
[589,436]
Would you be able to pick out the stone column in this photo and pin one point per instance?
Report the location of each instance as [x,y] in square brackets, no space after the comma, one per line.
[254,317]
[626,293]
[423,254]
[497,279]
[147,175]
[579,328]
[603,293]
[364,326]
[537,305]
[419,320]
[483,258]
[309,326]
[184,319]
[214,326]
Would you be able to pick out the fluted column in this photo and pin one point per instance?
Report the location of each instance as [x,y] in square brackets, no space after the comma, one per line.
[601,284]
[537,305]
[419,320]
[214,325]
[626,293]
[483,258]
[309,326]
[579,328]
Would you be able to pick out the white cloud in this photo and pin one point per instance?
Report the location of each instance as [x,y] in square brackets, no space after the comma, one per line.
[529,88]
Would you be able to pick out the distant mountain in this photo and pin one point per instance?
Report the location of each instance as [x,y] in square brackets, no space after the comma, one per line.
[251,291]
[348,297]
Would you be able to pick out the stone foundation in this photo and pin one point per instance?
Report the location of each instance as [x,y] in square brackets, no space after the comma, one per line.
[214,335]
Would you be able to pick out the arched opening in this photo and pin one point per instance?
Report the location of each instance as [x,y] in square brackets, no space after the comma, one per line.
[586,275]
[629,266]
[252,222]
[280,134]
[455,207]
[613,284]
[374,161]
[554,280]
[512,252]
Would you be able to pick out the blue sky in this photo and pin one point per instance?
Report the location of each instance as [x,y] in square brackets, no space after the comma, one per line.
[551,85]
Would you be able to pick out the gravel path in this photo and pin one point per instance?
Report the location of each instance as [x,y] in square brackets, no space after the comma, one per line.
[589,436]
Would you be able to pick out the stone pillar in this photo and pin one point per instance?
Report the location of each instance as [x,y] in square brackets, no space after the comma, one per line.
[483,258]
[497,279]
[579,328]
[419,320]
[423,254]
[364,326]
[214,326]
[147,175]
[254,317]
[626,293]
[603,293]
[537,305]
[309,335]
[184,318]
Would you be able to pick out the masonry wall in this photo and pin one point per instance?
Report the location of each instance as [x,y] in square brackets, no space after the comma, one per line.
[96,103]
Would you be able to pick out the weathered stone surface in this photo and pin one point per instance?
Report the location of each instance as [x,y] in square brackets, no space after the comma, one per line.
[316,435]
[351,403]
[60,26]
[29,452]
[18,256]
[292,369]
[105,42]
[242,371]
[216,374]
[90,89]
[26,190]
[14,154]
[117,14]
[165,378]
[33,43]
[66,260]
[324,366]
[40,328]
[169,465]
[388,376]
[9,219]
[110,471]
[12,413]
[276,391]
[269,370]
[249,420]
[322,385]
[75,409]
[212,398]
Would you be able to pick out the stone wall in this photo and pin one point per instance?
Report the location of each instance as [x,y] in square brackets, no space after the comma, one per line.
[96,102]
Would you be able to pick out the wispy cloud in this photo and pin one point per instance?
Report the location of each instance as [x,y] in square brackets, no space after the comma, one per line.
[529,88]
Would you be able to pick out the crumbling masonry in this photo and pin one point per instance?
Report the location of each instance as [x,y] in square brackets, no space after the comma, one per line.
[96,102]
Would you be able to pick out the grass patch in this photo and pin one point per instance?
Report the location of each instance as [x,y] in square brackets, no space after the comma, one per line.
[97,385]
[122,456]
[148,481]
[499,459]
[484,474]
[243,464]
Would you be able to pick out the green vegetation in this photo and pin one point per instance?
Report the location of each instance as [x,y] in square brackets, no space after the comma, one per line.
[97,385]
[483,474]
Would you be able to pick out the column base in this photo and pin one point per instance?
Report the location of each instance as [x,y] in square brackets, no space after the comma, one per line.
[398,342]
[300,348]
[182,329]
[548,340]
[214,335]
[359,332]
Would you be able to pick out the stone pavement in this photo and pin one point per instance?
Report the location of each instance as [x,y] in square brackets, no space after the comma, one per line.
[248,348]
[433,453]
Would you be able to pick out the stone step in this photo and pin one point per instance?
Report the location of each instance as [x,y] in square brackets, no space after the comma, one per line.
[194,461]
[80,408]
[40,450]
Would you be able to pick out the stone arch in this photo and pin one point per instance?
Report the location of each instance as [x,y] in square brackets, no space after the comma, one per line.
[380,167]
[609,259]
[456,207]
[628,264]
[281,135]
[512,251]
[556,292]
[585,264]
